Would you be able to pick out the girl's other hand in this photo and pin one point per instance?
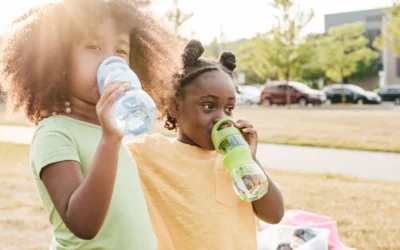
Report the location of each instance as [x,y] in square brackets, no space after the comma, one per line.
[250,135]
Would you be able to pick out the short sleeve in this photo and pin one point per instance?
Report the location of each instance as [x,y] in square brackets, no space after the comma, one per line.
[145,150]
[51,144]
[145,146]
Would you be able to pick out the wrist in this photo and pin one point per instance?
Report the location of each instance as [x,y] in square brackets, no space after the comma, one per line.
[111,140]
[255,159]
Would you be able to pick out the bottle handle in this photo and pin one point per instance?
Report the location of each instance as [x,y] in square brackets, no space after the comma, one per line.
[220,122]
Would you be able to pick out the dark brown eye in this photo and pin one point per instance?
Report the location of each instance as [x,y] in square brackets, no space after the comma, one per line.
[93,47]
[230,109]
[208,106]
[121,51]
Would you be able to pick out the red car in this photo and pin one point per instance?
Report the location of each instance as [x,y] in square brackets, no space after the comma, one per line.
[275,93]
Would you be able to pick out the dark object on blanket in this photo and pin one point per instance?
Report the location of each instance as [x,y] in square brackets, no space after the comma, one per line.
[284,246]
[306,234]
[301,236]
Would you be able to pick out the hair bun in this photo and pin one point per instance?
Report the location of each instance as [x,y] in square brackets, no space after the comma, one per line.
[228,60]
[193,51]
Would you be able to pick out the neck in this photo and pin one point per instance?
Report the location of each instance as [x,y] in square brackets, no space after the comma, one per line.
[185,139]
[83,111]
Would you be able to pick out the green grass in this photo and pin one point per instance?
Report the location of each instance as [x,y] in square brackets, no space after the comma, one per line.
[360,129]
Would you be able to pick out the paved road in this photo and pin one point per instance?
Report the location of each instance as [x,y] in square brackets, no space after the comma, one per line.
[369,165]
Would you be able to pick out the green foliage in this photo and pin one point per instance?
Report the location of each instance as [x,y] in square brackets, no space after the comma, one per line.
[392,31]
[282,52]
[177,17]
[343,49]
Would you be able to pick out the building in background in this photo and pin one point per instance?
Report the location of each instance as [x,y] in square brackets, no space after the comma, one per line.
[373,21]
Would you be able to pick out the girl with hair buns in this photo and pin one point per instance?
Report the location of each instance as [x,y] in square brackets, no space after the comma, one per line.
[189,194]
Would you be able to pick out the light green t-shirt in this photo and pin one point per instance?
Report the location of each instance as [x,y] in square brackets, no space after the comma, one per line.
[127,225]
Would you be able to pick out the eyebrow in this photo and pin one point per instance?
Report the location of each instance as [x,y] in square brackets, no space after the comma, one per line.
[209,96]
[100,37]
[216,97]
[123,42]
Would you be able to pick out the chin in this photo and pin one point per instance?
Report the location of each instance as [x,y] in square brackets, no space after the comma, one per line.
[210,146]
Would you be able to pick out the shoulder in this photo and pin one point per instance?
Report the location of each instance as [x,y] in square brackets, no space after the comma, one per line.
[149,144]
[51,129]
[52,142]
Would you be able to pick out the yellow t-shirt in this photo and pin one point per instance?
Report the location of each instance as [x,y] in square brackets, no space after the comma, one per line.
[190,197]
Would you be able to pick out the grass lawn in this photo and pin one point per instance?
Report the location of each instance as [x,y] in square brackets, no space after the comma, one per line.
[364,129]
[373,130]
[367,212]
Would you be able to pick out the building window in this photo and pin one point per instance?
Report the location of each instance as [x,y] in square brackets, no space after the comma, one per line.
[377,18]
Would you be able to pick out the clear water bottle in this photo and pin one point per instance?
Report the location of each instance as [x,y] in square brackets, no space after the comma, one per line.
[248,179]
[134,111]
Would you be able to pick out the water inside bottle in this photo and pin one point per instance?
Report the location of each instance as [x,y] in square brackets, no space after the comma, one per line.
[133,113]
[249,182]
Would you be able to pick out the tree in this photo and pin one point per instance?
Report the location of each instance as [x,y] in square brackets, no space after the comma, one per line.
[280,53]
[391,35]
[312,70]
[342,50]
[255,56]
[177,17]
[287,43]
[212,49]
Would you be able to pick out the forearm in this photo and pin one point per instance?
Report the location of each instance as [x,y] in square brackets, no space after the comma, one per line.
[270,207]
[91,201]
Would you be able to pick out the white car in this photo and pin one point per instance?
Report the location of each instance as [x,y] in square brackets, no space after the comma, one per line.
[249,95]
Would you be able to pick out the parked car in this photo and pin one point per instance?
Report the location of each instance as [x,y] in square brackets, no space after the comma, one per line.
[275,93]
[390,94]
[352,94]
[249,95]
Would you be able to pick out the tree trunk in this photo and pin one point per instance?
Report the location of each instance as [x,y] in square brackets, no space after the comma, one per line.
[341,81]
[288,101]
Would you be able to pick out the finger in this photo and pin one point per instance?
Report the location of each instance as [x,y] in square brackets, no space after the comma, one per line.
[111,99]
[244,124]
[257,178]
[110,89]
[249,130]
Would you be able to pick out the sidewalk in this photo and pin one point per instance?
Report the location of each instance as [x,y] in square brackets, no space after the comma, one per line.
[362,164]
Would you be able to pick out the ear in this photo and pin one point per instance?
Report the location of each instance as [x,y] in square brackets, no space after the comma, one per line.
[174,109]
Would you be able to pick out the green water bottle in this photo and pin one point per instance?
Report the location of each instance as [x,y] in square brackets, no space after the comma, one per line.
[248,179]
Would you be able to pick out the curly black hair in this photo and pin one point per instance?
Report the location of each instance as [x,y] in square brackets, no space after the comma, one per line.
[34,50]
[193,67]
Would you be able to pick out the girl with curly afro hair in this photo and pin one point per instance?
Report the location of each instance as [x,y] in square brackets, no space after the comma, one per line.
[193,204]
[87,181]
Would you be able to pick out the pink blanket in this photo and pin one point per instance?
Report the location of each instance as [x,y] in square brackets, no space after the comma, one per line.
[304,218]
